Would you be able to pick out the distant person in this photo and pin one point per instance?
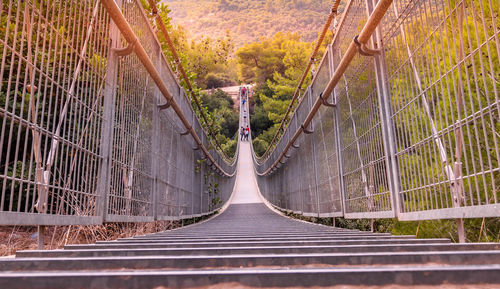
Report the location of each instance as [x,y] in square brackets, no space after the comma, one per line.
[247,132]
[243,101]
[243,91]
[242,133]
[245,114]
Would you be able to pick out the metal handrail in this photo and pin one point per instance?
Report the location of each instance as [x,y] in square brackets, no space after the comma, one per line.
[365,34]
[119,19]
[161,25]
[296,94]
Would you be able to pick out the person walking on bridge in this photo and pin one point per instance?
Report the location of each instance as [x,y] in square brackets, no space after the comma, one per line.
[243,90]
[242,133]
[247,132]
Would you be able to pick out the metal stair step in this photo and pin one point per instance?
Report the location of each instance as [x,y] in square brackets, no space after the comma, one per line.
[343,260]
[257,250]
[300,277]
[136,245]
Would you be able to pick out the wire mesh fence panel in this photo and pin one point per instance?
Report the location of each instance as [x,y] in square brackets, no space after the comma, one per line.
[131,167]
[84,133]
[294,181]
[415,129]
[325,158]
[443,67]
[366,186]
[53,66]
[164,201]
[176,178]
[186,167]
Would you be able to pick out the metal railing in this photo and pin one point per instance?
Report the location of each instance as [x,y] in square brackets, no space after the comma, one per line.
[408,129]
[305,73]
[95,126]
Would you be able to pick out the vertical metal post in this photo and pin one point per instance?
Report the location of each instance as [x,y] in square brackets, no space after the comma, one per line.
[202,185]
[388,133]
[293,204]
[338,139]
[155,142]
[300,161]
[194,158]
[103,185]
[314,153]
[461,230]
[41,233]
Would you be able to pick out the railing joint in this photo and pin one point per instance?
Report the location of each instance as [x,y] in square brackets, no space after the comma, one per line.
[125,50]
[188,130]
[164,106]
[364,50]
[305,130]
[325,101]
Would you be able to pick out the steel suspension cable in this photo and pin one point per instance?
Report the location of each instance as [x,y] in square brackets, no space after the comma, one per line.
[161,25]
[296,94]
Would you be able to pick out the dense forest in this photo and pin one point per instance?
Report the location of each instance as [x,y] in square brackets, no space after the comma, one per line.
[248,20]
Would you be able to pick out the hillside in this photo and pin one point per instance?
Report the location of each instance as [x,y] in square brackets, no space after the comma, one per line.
[247,20]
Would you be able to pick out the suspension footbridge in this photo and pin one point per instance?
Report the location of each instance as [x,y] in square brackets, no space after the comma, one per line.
[400,121]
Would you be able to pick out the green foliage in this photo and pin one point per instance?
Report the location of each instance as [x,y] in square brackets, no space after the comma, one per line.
[206,61]
[259,120]
[223,117]
[208,64]
[229,147]
[216,100]
[213,189]
[259,146]
[259,61]
[477,230]
[276,66]
[216,80]
[261,142]
[461,64]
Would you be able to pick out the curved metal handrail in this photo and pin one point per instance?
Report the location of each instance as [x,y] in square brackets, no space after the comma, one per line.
[296,94]
[119,19]
[160,24]
[365,34]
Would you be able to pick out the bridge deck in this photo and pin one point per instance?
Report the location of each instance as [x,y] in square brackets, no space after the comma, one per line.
[245,190]
[249,245]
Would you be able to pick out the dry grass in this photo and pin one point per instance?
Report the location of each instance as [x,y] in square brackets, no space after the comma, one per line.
[16,238]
